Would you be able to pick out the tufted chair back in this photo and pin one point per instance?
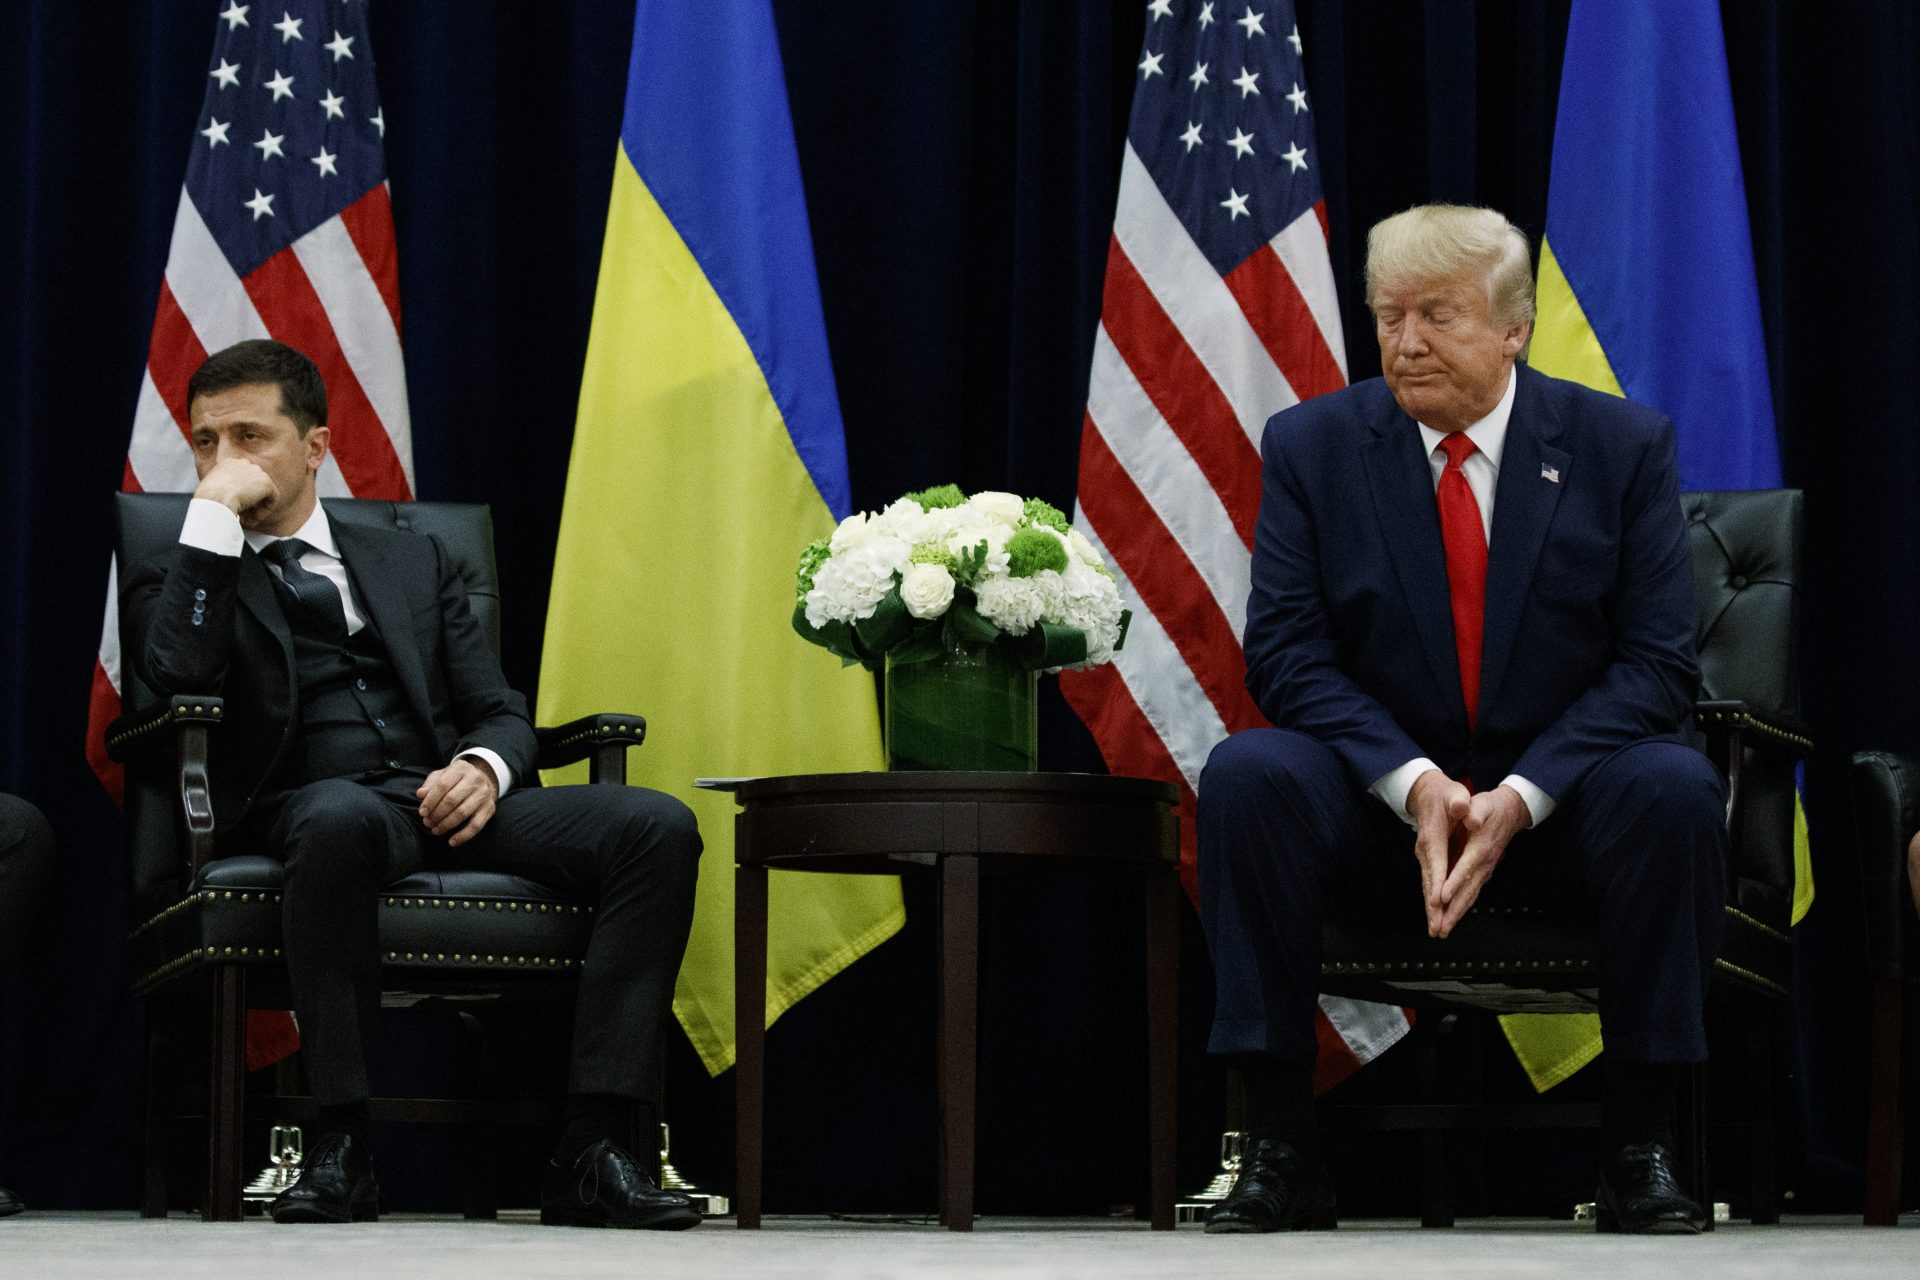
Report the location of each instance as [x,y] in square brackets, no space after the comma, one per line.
[1745,547]
[149,530]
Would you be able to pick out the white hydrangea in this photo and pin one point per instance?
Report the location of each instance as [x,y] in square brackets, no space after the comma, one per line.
[854,580]
[905,518]
[1091,602]
[1015,604]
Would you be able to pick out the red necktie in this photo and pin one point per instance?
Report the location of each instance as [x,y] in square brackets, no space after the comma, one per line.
[1465,539]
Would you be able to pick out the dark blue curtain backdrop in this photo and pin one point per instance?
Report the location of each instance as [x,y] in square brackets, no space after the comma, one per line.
[961,163]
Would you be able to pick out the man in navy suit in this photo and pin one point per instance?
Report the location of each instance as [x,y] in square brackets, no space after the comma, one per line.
[1471,625]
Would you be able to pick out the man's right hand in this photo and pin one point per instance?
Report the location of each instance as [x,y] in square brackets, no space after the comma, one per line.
[1437,804]
[237,484]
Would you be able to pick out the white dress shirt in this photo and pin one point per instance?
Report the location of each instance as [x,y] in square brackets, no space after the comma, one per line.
[1482,471]
[210,526]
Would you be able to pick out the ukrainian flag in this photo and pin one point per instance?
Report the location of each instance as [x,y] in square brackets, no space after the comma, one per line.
[1647,290]
[708,451]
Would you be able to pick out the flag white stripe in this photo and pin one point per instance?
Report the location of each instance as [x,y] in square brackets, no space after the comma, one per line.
[110,625]
[1302,247]
[1156,460]
[1177,708]
[203,282]
[160,456]
[363,327]
[1197,300]
[1368,1029]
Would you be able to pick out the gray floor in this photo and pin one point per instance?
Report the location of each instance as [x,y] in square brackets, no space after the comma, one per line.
[61,1245]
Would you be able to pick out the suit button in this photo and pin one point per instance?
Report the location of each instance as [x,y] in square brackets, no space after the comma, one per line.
[199,620]
[379,724]
[360,684]
[393,764]
[200,593]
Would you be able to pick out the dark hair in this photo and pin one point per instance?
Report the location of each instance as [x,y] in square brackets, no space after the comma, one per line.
[303,393]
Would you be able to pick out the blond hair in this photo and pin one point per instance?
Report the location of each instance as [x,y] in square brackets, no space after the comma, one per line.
[1432,241]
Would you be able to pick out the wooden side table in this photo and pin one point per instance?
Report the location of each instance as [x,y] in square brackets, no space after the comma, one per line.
[955,825]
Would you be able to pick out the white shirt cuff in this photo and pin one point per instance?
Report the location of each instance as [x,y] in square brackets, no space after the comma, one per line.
[493,761]
[1540,805]
[1392,788]
[210,526]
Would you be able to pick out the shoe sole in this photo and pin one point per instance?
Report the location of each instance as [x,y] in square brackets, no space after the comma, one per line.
[1317,1222]
[365,1212]
[665,1220]
[1608,1224]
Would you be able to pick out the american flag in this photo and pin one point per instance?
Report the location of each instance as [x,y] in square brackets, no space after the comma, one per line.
[1219,311]
[283,230]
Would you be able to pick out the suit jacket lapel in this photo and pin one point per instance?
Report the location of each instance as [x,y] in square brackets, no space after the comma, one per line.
[1533,474]
[1402,485]
[379,586]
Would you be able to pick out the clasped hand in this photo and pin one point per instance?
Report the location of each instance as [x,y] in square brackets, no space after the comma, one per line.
[458,799]
[1439,806]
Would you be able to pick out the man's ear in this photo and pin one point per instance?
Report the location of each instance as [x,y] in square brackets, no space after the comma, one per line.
[319,440]
[1515,341]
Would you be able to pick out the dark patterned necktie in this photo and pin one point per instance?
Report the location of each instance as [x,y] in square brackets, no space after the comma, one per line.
[316,595]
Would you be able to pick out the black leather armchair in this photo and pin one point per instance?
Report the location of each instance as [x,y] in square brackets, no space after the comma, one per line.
[207,913]
[1886,814]
[1746,562]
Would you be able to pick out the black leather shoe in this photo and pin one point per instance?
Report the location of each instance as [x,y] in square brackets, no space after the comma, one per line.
[603,1187]
[336,1185]
[1277,1189]
[10,1203]
[1640,1196]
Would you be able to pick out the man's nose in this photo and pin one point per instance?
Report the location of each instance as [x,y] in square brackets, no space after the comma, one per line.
[1412,338]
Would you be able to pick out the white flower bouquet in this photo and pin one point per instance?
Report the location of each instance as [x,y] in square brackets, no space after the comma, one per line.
[938,572]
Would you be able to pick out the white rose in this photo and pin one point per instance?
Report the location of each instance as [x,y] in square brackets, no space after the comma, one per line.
[927,590]
[1001,508]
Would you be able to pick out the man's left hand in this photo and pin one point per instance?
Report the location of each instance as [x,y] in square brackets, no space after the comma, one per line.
[458,799]
[1492,819]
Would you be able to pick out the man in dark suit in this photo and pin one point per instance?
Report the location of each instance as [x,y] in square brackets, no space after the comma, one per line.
[26,852]
[1471,624]
[370,733]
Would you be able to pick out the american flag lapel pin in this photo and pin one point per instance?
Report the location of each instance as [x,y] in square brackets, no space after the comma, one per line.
[1549,473]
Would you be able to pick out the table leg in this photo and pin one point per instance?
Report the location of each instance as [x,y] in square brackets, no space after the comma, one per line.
[749,1036]
[1163,1010]
[959,998]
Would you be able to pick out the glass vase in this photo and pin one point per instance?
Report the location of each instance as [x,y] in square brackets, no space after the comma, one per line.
[971,709]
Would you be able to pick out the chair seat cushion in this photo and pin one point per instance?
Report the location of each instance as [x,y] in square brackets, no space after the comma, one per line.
[443,923]
[1519,959]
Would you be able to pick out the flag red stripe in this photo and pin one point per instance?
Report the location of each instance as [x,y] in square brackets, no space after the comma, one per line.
[369,224]
[1320,212]
[173,353]
[1277,312]
[1336,1059]
[293,313]
[1164,576]
[129,482]
[103,708]
[1131,748]
[1182,390]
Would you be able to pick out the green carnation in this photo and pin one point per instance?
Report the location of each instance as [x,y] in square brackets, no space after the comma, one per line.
[934,553]
[1031,550]
[939,497]
[811,559]
[1045,513]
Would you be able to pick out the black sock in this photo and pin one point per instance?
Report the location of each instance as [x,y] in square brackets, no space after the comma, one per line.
[349,1118]
[589,1117]
[1279,1101]
[1637,1101]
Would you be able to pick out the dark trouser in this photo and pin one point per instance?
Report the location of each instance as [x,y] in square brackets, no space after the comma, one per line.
[26,852]
[1286,839]
[633,853]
